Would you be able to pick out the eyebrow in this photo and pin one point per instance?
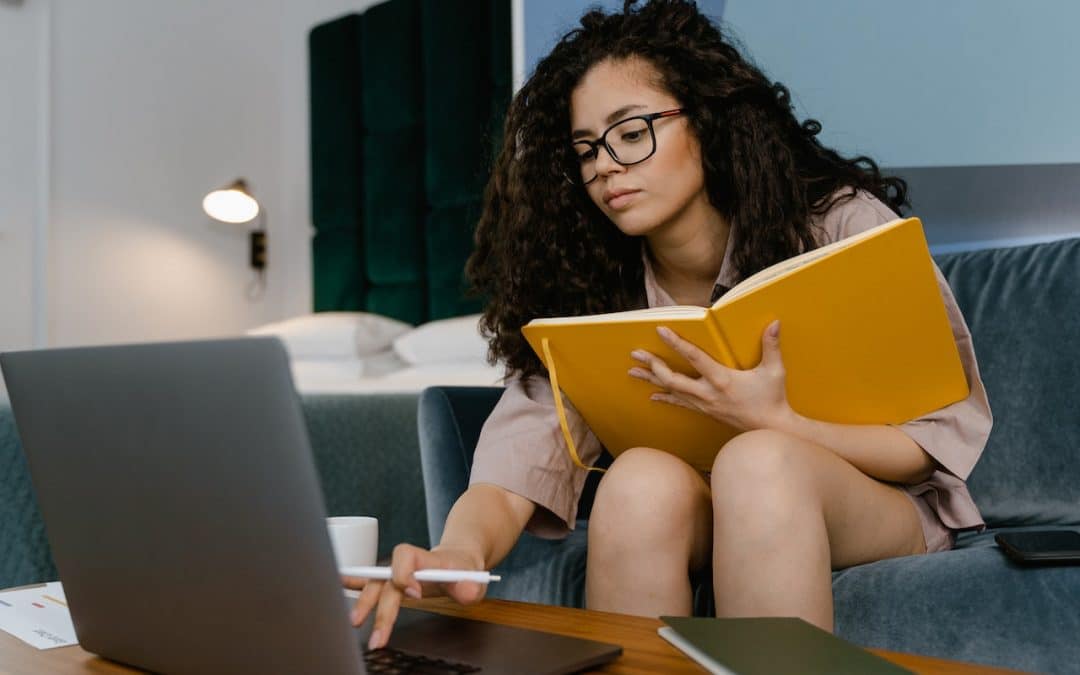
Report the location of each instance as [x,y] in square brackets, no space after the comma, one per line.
[611,119]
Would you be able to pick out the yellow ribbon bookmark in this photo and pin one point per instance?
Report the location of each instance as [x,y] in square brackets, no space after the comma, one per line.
[554,378]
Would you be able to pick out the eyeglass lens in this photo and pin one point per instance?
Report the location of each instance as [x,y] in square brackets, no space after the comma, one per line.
[629,142]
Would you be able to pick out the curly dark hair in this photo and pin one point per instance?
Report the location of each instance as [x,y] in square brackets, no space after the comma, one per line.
[544,249]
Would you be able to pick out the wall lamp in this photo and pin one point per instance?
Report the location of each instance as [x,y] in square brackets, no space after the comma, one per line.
[235,204]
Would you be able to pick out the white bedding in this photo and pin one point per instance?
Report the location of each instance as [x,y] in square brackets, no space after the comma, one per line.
[360,352]
[325,380]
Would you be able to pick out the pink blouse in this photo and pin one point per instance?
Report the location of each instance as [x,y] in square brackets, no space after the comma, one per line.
[521,446]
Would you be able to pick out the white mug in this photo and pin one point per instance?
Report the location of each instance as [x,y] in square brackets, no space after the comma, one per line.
[355,540]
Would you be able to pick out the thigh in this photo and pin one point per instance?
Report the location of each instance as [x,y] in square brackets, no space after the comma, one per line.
[865,519]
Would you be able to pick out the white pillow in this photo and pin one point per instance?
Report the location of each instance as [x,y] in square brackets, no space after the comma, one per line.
[335,335]
[445,340]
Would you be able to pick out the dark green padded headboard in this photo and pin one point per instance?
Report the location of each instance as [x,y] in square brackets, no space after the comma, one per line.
[407,106]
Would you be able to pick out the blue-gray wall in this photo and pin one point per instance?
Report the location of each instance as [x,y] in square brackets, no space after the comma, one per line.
[975,102]
[548,20]
[927,82]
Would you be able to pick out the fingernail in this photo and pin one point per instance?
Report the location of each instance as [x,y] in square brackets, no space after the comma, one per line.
[774,329]
[376,639]
[354,616]
[412,593]
[664,332]
[637,355]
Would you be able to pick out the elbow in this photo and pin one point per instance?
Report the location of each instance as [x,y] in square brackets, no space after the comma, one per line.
[923,466]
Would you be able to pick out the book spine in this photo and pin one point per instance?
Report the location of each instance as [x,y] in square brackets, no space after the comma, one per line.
[727,358]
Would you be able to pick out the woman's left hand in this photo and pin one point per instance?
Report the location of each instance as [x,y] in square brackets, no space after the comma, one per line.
[745,399]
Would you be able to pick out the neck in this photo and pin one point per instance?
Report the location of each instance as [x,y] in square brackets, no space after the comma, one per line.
[687,254]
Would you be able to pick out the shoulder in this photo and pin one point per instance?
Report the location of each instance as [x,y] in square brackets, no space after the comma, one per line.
[851,215]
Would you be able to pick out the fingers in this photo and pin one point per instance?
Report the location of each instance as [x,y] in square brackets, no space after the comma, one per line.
[466,592]
[661,375]
[675,400]
[770,346]
[694,355]
[354,583]
[647,375]
[368,597]
[386,597]
[405,560]
[385,615]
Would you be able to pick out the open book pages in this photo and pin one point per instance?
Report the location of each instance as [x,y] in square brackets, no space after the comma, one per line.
[648,314]
[786,267]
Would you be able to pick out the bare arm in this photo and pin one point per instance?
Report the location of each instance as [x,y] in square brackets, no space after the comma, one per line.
[485,523]
[879,451]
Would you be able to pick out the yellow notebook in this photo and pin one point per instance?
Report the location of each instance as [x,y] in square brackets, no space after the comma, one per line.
[864,337]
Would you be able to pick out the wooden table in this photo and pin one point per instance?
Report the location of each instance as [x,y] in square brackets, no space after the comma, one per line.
[644,652]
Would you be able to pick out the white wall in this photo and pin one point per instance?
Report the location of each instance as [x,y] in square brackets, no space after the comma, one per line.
[151,105]
[21,126]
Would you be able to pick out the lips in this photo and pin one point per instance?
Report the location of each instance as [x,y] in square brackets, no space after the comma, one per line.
[618,198]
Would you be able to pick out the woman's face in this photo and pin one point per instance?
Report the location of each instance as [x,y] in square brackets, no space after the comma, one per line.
[666,188]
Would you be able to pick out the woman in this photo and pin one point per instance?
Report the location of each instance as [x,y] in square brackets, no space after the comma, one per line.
[648,163]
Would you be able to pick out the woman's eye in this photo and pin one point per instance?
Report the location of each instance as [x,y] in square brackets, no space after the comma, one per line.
[632,136]
[587,156]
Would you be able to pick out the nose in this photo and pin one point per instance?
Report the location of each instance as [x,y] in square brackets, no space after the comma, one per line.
[606,164]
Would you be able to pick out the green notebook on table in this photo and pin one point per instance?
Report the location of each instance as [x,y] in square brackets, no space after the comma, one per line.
[769,646]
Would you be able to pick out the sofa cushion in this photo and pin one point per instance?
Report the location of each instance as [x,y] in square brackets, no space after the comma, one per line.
[970,604]
[552,572]
[1023,307]
[26,557]
[546,571]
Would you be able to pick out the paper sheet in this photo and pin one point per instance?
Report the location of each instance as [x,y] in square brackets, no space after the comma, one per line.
[38,616]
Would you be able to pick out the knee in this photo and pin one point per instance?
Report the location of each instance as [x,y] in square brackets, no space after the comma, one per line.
[645,485]
[759,465]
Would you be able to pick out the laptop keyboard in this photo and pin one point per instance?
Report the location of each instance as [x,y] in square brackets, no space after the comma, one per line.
[387,661]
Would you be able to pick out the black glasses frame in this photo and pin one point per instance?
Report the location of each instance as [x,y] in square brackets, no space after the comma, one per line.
[602,141]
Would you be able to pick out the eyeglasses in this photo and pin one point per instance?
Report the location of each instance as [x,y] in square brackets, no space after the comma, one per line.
[634,141]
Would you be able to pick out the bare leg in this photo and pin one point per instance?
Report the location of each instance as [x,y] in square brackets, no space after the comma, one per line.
[786,513]
[650,525]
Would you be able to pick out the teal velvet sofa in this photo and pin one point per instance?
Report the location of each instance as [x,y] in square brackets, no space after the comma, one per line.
[1023,306]
[970,603]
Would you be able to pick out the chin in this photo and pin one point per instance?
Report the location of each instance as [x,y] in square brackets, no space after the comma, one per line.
[634,224]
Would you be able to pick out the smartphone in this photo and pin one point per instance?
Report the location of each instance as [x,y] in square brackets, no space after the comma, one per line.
[1045,547]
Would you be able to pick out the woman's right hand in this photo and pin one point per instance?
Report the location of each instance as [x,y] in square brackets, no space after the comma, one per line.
[385,596]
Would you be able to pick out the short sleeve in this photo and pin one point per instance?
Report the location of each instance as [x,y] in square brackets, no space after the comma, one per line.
[956,434]
[522,449]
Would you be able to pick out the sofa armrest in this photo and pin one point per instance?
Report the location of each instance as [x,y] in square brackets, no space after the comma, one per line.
[449,420]
[25,556]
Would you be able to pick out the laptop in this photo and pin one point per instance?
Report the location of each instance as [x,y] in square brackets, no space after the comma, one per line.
[185,516]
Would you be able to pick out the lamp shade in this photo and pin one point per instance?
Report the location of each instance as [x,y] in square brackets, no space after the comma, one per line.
[232,204]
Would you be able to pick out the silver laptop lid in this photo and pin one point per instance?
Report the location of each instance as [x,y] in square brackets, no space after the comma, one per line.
[182,506]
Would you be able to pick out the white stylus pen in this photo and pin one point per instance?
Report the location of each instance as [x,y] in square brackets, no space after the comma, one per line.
[436,575]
